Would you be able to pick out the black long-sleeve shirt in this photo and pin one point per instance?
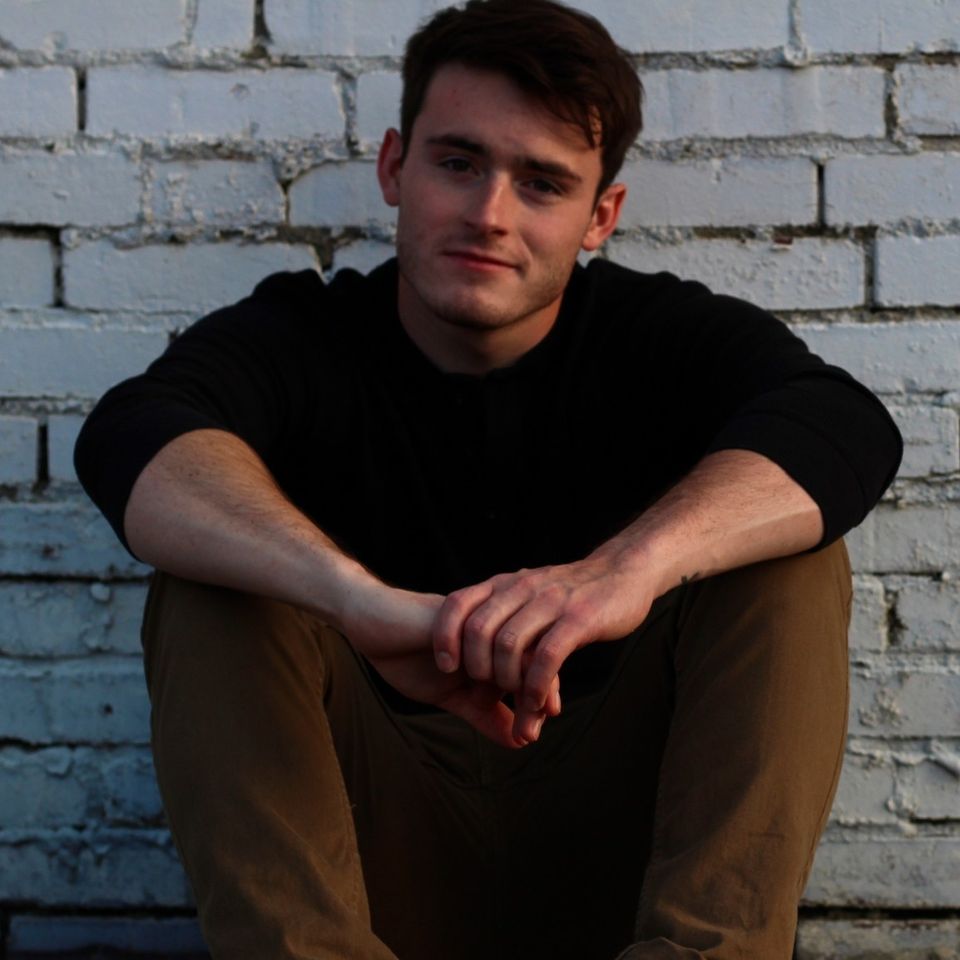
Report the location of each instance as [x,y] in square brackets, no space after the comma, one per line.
[436,480]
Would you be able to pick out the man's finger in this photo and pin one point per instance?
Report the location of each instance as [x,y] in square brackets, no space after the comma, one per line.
[447,630]
[554,647]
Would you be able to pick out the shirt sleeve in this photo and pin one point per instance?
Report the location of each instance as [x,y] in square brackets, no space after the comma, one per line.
[757,387]
[239,369]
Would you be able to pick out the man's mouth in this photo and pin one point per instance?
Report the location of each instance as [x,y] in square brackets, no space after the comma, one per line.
[479,260]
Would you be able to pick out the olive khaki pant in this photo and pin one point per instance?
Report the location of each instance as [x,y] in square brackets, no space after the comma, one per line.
[671,811]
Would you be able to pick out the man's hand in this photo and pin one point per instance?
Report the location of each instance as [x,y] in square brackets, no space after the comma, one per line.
[515,630]
[392,629]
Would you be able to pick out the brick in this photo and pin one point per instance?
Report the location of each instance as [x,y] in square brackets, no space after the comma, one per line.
[879,26]
[888,872]
[931,443]
[929,99]
[930,790]
[43,619]
[258,104]
[130,794]
[38,102]
[223,23]
[80,189]
[929,611]
[912,271]
[102,868]
[87,701]
[805,274]
[62,431]
[878,939]
[55,26]
[887,189]
[843,101]
[365,28]
[362,255]
[378,104]
[650,26]
[865,792]
[41,789]
[868,621]
[175,936]
[339,194]
[719,192]
[922,700]
[64,539]
[18,449]
[215,192]
[915,538]
[892,357]
[26,272]
[196,277]
[72,359]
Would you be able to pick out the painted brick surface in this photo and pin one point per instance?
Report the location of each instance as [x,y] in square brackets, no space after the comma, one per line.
[157,159]
[224,23]
[62,431]
[215,192]
[90,701]
[930,440]
[65,934]
[26,272]
[929,610]
[886,189]
[116,868]
[879,26]
[868,620]
[648,26]
[38,102]
[378,104]
[886,872]
[719,193]
[95,188]
[57,25]
[70,359]
[18,449]
[338,194]
[929,99]
[150,102]
[166,277]
[362,28]
[892,358]
[917,537]
[845,101]
[863,939]
[918,270]
[62,619]
[803,274]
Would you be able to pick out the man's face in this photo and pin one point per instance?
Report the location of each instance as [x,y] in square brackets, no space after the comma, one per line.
[496,198]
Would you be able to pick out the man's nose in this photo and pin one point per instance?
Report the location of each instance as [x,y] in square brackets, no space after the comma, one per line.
[491,200]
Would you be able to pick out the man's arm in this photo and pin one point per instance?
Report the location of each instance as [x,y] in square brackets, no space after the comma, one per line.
[207,508]
[734,508]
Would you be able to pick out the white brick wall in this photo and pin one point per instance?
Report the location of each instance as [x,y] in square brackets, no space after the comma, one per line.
[159,157]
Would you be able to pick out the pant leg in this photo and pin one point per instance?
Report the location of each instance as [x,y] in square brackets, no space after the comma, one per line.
[751,760]
[249,775]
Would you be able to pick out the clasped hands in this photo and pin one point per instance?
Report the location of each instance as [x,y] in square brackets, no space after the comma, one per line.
[507,635]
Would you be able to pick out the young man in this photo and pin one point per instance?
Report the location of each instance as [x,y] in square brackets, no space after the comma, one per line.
[472,641]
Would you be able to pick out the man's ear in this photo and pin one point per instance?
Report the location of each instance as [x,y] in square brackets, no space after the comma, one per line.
[389,162]
[605,216]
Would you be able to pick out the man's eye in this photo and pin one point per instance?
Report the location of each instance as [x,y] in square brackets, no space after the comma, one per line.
[543,186]
[456,164]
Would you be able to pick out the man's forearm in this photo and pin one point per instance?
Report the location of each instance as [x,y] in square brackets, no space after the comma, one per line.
[734,508]
[207,508]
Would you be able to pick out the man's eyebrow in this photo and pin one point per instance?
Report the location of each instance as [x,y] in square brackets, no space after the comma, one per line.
[549,167]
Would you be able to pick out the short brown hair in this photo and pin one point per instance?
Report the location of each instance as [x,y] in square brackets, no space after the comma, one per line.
[561,56]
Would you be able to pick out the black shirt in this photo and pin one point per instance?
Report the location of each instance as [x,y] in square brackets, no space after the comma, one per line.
[435,480]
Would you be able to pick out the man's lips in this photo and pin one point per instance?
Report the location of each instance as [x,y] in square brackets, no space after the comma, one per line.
[479,260]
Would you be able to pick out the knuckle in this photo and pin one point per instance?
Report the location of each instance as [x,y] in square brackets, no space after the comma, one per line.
[507,641]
